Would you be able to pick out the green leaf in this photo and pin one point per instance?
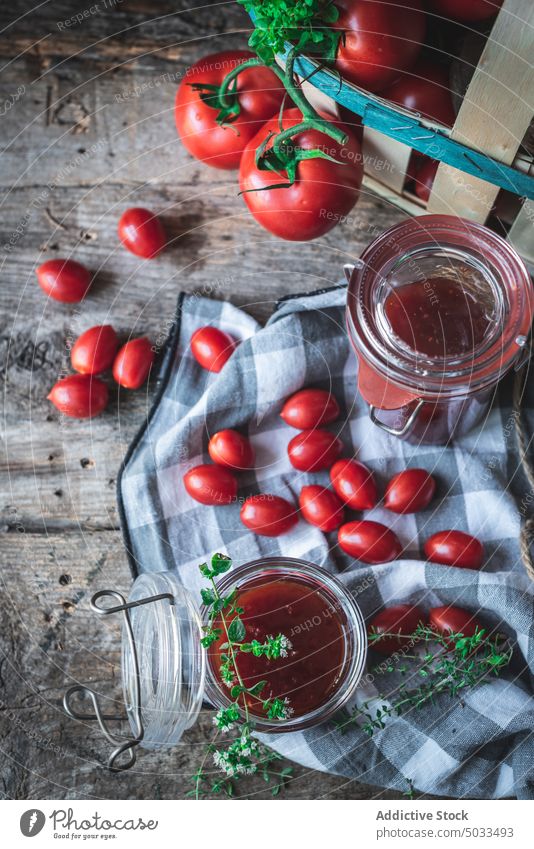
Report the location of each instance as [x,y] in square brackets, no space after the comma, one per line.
[236,691]
[220,563]
[237,630]
[257,688]
[208,596]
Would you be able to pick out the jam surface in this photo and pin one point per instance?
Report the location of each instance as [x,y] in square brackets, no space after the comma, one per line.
[313,624]
[437,317]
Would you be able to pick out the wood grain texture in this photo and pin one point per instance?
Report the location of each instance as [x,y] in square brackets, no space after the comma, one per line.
[92,133]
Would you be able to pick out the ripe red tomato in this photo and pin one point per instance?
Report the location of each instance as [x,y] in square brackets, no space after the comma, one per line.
[321,196]
[313,450]
[64,280]
[424,89]
[425,175]
[268,515]
[212,347]
[354,484]
[310,408]
[466,10]
[369,542]
[209,484]
[141,232]
[80,396]
[94,351]
[455,548]
[260,94]
[455,620]
[401,619]
[230,448]
[410,491]
[381,40]
[133,363]
[321,507]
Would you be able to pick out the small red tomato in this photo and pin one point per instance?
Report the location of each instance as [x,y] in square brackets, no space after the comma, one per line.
[80,396]
[141,232]
[454,548]
[133,363]
[94,351]
[64,280]
[211,484]
[401,619]
[424,89]
[212,347]
[410,491]
[354,484]
[369,542]
[453,620]
[313,450]
[268,515]
[310,408]
[321,507]
[230,448]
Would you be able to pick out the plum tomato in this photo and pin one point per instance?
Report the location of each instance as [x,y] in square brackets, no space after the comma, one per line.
[424,89]
[453,620]
[466,10]
[401,620]
[212,347]
[313,450]
[94,351]
[132,364]
[380,41]
[410,491]
[64,280]
[80,396]
[268,515]
[354,484]
[213,485]
[369,542]
[454,548]
[141,232]
[323,193]
[259,94]
[229,448]
[310,408]
[321,507]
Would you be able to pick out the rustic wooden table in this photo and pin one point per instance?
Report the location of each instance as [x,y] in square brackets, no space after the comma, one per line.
[86,130]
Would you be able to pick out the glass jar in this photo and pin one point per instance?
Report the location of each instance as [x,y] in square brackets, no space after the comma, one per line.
[438,310]
[166,673]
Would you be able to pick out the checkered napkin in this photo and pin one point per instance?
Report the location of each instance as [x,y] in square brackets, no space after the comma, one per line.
[481,746]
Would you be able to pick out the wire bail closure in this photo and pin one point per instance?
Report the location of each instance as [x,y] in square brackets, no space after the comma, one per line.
[121,743]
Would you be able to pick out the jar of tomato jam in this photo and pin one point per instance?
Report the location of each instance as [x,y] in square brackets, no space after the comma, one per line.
[439,309]
[166,674]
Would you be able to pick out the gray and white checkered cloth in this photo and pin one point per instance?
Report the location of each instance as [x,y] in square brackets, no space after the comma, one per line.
[479,747]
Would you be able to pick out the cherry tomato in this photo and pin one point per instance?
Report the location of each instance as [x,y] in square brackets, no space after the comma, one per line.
[64,280]
[453,620]
[80,396]
[323,193]
[410,491]
[369,542]
[354,484]
[212,347]
[401,619]
[310,408]
[313,450]
[454,548]
[209,484]
[424,178]
[466,10]
[268,515]
[259,93]
[141,232]
[230,448]
[381,40]
[94,351]
[133,363]
[424,89]
[321,507]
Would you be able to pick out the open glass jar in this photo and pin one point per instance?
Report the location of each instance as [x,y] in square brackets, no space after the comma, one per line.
[439,309]
[166,673]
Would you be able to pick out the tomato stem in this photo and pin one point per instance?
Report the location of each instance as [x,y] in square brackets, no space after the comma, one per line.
[225,99]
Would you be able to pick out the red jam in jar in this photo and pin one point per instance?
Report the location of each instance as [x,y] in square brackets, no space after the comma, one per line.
[439,310]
